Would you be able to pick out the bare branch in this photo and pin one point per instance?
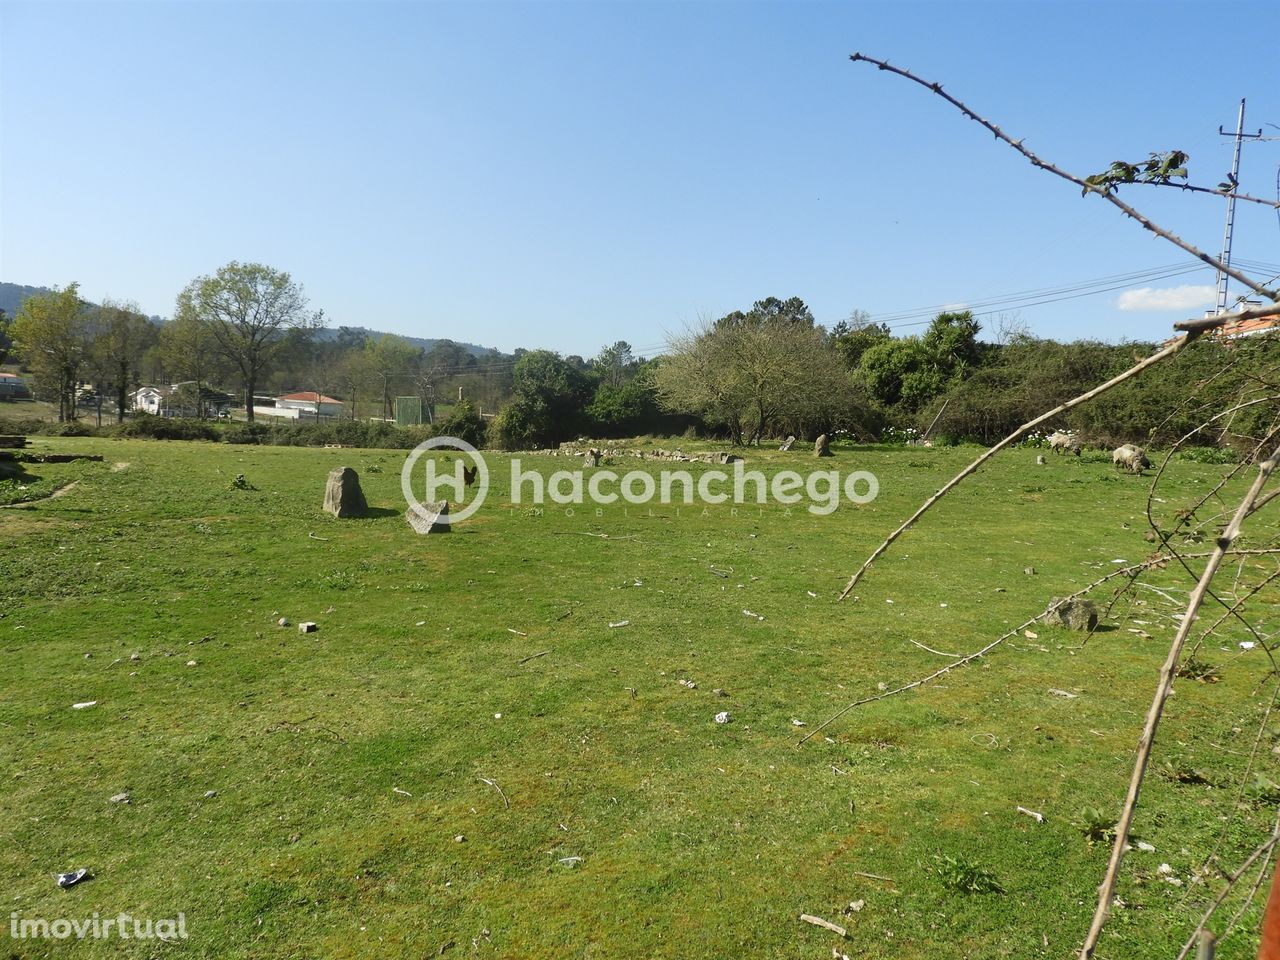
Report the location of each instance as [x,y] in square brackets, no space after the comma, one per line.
[1078,181]
[1107,890]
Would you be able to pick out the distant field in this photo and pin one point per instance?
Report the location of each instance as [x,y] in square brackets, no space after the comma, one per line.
[352,817]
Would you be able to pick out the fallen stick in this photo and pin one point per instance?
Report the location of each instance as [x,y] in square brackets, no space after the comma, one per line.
[505,801]
[825,924]
[931,650]
[535,656]
[314,537]
[874,876]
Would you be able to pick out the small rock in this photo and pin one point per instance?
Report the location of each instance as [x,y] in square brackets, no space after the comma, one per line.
[210,794]
[283,621]
[1075,614]
[71,879]
[88,656]
[191,663]
[1029,571]
[719,693]
[120,798]
[459,839]
[1041,461]
[135,657]
[307,626]
[1149,536]
[723,717]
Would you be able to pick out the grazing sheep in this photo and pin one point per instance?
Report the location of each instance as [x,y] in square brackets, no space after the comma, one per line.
[1131,458]
[1062,442]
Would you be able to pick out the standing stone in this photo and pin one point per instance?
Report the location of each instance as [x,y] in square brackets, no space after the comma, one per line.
[822,447]
[342,494]
[591,458]
[426,517]
[1041,461]
[786,444]
[1076,614]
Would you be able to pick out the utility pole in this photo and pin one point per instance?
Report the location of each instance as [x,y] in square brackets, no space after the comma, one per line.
[1234,181]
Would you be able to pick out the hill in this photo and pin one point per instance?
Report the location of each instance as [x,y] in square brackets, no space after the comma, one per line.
[12,295]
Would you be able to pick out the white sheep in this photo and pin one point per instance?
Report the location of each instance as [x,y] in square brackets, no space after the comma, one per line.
[1131,458]
[1062,442]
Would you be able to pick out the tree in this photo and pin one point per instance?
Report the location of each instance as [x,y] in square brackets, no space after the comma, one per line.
[6,342]
[854,336]
[749,371]
[122,335]
[51,333]
[249,310]
[911,371]
[188,348]
[614,364]
[550,395]
[390,360]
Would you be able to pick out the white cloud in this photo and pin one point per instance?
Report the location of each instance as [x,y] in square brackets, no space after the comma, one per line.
[1185,297]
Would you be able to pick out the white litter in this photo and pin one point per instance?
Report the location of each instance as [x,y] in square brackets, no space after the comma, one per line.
[620,623]
[754,616]
[84,706]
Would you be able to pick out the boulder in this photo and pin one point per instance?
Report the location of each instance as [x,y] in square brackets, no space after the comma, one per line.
[786,444]
[1075,614]
[342,494]
[427,517]
[822,447]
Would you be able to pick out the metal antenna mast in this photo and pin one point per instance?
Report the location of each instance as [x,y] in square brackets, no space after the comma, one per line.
[1234,180]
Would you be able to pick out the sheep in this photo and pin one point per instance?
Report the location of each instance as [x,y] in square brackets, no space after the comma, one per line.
[1131,458]
[1061,442]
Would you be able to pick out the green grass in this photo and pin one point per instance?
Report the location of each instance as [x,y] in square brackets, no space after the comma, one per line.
[697,840]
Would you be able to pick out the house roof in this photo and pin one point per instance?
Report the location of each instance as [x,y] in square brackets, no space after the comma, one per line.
[309,396]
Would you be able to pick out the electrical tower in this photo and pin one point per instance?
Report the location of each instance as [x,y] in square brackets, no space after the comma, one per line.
[1234,180]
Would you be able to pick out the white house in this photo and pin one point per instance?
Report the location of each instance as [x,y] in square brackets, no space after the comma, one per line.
[308,401]
[149,399]
[174,401]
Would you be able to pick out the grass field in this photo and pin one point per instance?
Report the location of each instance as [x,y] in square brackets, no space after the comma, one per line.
[351,817]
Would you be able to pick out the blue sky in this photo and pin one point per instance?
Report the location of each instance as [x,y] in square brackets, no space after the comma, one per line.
[566,175]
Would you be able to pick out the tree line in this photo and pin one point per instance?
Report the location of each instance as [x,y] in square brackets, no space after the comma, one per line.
[750,376]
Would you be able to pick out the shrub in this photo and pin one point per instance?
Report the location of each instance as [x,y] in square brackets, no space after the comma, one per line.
[247,433]
[164,428]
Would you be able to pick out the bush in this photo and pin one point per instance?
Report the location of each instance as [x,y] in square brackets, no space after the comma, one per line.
[163,428]
[1208,455]
[247,433]
[464,423]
